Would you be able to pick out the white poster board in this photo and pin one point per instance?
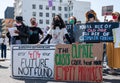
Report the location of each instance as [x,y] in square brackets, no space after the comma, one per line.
[12,31]
[33,61]
[116,36]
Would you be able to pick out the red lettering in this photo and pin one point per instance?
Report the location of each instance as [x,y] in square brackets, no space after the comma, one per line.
[84,73]
[34,54]
[93,74]
[66,71]
[58,73]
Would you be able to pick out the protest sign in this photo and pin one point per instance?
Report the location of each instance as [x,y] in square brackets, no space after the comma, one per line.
[107,10]
[69,28]
[33,61]
[78,62]
[12,31]
[95,32]
[116,36]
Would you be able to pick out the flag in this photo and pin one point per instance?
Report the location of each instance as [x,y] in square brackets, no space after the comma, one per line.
[50,2]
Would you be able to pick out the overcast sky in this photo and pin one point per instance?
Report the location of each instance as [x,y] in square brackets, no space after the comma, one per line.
[95,5]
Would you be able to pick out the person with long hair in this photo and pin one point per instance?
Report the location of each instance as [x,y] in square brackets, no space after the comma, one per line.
[57,31]
[113,54]
[91,16]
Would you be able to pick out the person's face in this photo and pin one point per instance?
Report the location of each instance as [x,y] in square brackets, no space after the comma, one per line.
[115,17]
[56,18]
[33,21]
[72,20]
[91,19]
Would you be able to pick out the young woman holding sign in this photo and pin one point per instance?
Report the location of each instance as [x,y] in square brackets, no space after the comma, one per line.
[112,52]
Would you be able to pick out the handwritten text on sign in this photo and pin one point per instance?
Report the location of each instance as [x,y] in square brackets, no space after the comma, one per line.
[81,62]
[95,32]
[33,61]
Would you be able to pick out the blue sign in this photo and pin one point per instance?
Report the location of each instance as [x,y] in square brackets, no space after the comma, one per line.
[95,32]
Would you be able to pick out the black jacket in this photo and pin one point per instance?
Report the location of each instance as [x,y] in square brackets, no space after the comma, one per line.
[23,34]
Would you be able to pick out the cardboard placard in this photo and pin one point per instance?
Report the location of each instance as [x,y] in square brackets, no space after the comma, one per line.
[78,62]
[33,61]
[95,32]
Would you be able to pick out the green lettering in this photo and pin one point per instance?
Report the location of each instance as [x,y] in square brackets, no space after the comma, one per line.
[68,59]
[90,54]
[57,59]
[79,51]
[74,51]
[62,59]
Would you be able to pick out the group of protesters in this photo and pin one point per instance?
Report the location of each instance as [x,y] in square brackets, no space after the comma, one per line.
[57,34]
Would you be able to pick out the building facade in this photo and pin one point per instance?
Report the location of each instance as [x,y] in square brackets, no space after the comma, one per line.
[44,14]
[9,13]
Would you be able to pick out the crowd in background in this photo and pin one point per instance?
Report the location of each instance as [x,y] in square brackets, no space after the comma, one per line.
[56,33]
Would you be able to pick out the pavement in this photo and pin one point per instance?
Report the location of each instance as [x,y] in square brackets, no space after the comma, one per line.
[5,74]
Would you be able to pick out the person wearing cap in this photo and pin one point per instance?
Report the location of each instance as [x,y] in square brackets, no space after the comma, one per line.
[113,53]
[22,31]
[35,32]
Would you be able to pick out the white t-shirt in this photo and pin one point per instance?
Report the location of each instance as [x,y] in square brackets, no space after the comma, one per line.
[4,40]
[57,35]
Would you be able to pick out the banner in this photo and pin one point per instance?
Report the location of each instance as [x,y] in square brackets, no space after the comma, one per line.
[78,62]
[95,32]
[33,61]
[50,3]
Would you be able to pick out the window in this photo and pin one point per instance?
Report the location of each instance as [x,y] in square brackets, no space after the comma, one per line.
[47,8]
[71,14]
[65,8]
[47,14]
[66,15]
[33,6]
[41,7]
[59,8]
[34,14]
[53,8]
[60,0]
[47,21]
[53,14]
[41,14]
[40,21]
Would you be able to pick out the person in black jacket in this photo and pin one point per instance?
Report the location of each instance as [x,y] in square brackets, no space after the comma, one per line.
[57,31]
[22,31]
